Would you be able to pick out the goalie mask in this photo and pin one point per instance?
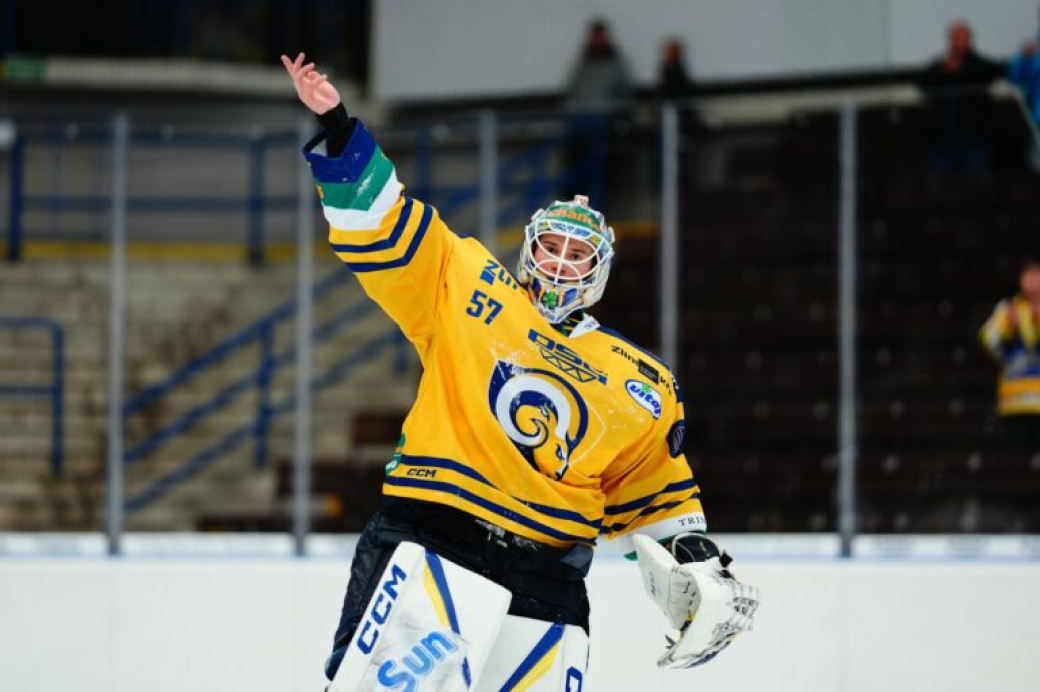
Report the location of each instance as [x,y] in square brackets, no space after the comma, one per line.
[566,258]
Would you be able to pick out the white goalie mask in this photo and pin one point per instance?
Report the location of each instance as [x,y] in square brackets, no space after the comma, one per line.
[566,257]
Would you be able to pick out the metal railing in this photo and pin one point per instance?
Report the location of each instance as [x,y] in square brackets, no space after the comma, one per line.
[255,202]
[54,392]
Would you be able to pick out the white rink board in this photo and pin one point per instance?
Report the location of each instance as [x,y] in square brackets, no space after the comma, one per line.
[173,624]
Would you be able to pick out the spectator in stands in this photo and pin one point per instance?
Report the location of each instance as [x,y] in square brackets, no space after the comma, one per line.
[1024,72]
[600,82]
[1012,336]
[598,98]
[956,86]
[674,84]
[673,81]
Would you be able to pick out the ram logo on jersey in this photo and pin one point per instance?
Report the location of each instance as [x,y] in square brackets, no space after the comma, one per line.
[542,414]
[646,396]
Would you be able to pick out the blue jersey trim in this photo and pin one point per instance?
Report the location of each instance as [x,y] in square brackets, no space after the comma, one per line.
[451,465]
[648,499]
[453,489]
[424,223]
[350,164]
[385,243]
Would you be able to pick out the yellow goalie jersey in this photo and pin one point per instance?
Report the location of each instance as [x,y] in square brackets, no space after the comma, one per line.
[556,438]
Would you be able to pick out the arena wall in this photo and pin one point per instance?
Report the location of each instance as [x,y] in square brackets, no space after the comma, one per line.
[118,625]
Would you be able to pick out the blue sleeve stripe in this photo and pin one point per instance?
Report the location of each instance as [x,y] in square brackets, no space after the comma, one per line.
[644,501]
[350,164]
[504,512]
[539,652]
[621,526]
[424,223]
[437,570]
[455,466]
[386,243]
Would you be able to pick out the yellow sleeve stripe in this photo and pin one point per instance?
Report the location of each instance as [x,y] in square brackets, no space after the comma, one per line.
[688,484]
[660,505]
[392,246]
[384,235]
[684,519]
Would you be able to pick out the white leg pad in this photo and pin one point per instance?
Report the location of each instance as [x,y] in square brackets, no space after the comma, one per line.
[536,656]
[429,626]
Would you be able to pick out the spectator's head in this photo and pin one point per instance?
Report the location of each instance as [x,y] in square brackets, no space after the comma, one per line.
[598,43]
[672,51]
[959,38]
[1029,279]
[1029,49]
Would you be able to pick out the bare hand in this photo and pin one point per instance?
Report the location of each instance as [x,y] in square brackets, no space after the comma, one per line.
[314,89]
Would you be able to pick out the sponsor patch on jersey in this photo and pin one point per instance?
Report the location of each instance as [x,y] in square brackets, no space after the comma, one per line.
[566,359]
[675,438]
[646,396]
[648,371]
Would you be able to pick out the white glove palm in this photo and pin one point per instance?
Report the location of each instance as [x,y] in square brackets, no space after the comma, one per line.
[702,600]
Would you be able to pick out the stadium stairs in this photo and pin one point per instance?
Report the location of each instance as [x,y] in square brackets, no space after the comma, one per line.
[177,310]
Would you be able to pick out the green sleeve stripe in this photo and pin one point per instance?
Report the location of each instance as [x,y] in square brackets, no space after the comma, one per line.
[362,194]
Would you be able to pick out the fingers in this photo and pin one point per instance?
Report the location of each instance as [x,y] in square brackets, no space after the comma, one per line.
[296,67]
[314,79]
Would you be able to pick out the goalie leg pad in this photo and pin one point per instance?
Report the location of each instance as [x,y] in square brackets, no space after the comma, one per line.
[428,620]
[536,656]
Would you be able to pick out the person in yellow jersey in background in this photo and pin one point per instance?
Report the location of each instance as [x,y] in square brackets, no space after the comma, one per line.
[1011,336]
[535,430]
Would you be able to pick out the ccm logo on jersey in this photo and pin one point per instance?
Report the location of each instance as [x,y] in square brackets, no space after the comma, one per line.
[646,396]
[418,663]
[381,607]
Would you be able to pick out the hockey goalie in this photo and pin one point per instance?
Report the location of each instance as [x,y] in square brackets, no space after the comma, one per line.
[535,431]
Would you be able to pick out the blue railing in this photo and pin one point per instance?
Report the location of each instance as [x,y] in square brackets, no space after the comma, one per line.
[532,192]
[260,333]
[254,202]
[55,391]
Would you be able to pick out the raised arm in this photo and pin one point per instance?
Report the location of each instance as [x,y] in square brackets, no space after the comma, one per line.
[396,246]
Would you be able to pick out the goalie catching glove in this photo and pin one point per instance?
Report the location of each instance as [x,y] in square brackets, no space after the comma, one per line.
[699,596]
